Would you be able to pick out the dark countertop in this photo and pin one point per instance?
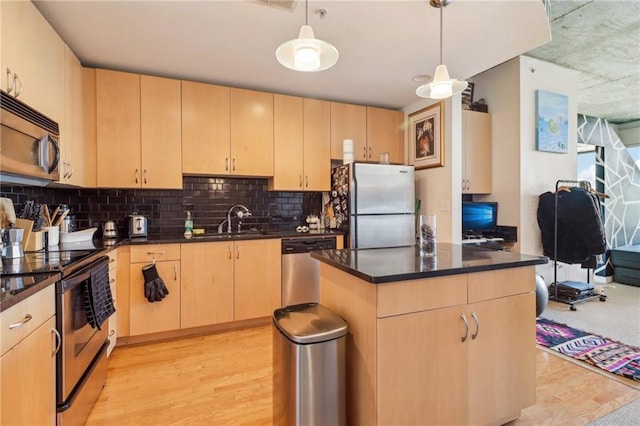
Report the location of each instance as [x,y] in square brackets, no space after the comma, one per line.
[385,265]
[15,289]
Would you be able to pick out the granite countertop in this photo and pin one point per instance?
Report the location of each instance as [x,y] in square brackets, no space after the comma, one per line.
[233,236]
[385,265]
[17,288]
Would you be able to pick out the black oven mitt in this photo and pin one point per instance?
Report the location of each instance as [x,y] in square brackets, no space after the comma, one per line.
[154,288]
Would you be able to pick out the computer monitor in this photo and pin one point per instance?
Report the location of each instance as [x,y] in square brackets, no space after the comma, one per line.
[479,216]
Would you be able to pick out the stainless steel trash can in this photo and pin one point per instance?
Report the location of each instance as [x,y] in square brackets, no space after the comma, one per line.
[308,366]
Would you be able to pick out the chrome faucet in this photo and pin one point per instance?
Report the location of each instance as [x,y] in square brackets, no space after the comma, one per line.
[242,212]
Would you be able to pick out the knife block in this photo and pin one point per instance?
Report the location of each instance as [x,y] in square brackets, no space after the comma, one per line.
[35,241]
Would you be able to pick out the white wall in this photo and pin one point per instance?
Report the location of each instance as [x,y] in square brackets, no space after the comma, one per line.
[438,188]
[629,133]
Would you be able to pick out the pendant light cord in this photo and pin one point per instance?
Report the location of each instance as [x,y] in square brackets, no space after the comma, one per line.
[306,12]
[441,7]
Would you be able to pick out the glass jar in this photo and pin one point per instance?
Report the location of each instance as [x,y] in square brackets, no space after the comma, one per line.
[427,235]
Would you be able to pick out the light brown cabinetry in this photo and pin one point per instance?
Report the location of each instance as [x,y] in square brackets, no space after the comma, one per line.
[138,131]
[251,149]
[476,152]
[205,129]
[152,317]
[27,362]
[373,131]
[302,150]
[425,351]
[32,59]
[385,134]
[77,131]
[207,284]
[348,122]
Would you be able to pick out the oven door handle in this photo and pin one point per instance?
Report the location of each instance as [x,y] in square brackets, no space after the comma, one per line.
[84,274]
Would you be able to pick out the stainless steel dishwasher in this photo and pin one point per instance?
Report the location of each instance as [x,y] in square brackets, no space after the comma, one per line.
[301,273]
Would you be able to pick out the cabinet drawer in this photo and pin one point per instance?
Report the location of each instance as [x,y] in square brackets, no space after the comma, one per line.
[420,295]
[501,283]
[40,306]
[144,253]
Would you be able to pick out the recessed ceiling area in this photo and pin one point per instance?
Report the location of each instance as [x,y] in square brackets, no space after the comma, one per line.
[383,45]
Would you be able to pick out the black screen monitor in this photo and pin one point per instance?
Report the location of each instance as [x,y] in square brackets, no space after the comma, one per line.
[479,216]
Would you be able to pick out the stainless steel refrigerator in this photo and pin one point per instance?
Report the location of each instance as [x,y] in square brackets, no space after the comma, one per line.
[374,204]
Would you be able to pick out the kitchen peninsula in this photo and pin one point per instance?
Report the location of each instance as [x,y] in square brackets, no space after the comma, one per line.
[443,340]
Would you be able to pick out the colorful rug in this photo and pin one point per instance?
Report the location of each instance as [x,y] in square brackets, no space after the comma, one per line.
[601,352]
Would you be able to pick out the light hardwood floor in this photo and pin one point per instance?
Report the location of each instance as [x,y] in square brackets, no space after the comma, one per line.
[225,379]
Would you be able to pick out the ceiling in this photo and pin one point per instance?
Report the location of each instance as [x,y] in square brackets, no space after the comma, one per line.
[383,45]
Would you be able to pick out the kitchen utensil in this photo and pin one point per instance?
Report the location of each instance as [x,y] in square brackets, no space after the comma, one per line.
[54,215]
[47,216]
[137,225]
[109,230]
[61,218]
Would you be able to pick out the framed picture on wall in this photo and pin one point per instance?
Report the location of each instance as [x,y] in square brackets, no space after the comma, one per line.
[552,124]
[426,137]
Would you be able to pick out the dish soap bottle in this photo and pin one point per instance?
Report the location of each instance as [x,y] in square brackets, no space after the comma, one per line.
[188,226]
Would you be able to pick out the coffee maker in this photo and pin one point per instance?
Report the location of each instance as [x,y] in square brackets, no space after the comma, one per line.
[12,243]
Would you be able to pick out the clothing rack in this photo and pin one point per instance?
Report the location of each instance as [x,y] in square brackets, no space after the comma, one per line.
[554,295]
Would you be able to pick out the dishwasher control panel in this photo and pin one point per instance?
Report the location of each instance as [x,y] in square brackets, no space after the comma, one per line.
[307,244]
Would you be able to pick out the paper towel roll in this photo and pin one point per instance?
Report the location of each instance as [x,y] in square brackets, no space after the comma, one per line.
[347,151]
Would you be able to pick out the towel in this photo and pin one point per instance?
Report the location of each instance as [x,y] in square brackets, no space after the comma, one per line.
[98,300]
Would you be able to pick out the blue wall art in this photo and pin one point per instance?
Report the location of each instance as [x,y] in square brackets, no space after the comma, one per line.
[552,122]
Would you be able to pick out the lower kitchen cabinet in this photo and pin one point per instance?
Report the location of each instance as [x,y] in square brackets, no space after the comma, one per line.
[207,284]
[257,278]
[152,317]
[28,369]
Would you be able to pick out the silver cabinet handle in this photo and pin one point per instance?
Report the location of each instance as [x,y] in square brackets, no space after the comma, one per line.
[112,260]
[466,327]
[111,333]
[226,164]
[229,247]
[11,82]
[369,152]
[475,318]
[70,170]
[58,341]
[19,88]
[112,280]
[145,175]
[468,185]
[237,252]
[364,152]
[463,188]
[306,181]
[136,175]
[175,272]
[300,176]
[233,169]
[25,320]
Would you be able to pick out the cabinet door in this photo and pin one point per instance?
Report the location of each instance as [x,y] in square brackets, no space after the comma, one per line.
[422,354]
[28,381]
[161,135]
[288,132]
[348,122]
[317,145]
[385,134]
[502,358]
[257,278]
[152,317]
[207,284]
[33,50]
[118,129]
[205,129]
[251,133]
[476,152]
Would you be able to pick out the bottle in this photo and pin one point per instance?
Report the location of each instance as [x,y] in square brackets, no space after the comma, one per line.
[188,226]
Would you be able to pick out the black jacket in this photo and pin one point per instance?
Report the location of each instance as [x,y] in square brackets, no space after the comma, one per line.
[581,233]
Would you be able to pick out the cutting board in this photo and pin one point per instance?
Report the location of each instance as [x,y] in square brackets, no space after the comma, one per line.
[9,214]
[27,225]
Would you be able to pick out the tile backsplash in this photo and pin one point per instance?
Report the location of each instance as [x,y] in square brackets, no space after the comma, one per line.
[208,198]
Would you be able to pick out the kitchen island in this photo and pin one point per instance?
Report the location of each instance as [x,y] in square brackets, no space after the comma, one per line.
[443,340]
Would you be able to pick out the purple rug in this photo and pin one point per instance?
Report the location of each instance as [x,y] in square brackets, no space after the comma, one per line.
[601,352]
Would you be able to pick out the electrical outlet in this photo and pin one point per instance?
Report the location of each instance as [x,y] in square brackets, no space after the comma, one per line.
[445,206]
[533,204]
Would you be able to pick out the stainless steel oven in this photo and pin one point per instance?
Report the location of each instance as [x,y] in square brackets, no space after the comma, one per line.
[81,362]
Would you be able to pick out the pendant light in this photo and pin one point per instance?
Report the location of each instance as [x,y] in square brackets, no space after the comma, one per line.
[442,86]
[307,53]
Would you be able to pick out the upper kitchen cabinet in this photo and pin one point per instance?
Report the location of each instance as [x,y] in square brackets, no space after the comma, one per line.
[476,152]
[32,59]
[301,144]
[384,134]
[78,131]
[138,131]
[205,129]
[251,151]
[348,122]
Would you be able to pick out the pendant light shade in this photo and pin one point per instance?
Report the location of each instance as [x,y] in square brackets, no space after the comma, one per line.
[306,53]
[442,86]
